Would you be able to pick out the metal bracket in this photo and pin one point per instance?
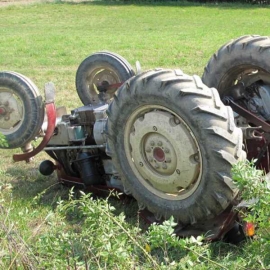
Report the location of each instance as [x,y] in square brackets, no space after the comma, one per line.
[246,114]
[49,92]
[252,133]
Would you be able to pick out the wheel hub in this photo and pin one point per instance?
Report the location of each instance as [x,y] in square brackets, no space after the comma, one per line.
[11,111]
[98,82]
[163,152]
[159,153]
[2,111]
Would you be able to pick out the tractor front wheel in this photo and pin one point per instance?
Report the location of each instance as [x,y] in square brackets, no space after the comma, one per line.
[21,109]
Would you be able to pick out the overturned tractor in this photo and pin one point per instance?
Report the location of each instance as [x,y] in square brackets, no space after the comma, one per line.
[161,136]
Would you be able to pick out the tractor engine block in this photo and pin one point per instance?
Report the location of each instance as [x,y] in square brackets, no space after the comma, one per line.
[84,125]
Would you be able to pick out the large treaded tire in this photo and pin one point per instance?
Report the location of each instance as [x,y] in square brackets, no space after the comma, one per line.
[26,94]
[236,57]
[212,128]
[117,70]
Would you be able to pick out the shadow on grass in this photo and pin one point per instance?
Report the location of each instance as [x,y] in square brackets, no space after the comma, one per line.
[28,184]
[221,5]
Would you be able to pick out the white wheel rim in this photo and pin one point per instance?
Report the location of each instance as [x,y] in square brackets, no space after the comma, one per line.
[163,152]
[12,111]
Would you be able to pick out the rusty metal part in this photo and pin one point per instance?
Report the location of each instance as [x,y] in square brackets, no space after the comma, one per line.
[105,86]
[246,114]
[214,229]
[252,133]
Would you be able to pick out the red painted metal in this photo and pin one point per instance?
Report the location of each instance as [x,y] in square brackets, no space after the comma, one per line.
[103,88]
[51,114]
[114,86]
[2,111]
[248,115]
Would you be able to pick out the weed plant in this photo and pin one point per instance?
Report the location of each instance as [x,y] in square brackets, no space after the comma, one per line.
[85,233]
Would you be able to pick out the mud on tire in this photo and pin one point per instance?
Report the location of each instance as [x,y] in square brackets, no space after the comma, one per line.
[173,143]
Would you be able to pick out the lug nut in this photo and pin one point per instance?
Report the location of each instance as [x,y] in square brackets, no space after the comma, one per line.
[156,166]
[150,159]
[168,160]
[166,150]
[152,143]
[164,166]
[160,143]
[148,149]
[176,121]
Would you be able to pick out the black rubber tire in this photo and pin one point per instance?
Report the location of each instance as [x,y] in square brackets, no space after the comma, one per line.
[236,56]
[89,66]
[212,124]
[33,106]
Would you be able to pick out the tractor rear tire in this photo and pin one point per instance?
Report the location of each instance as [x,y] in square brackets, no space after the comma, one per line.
[173,142]
[22,109]
[236,61]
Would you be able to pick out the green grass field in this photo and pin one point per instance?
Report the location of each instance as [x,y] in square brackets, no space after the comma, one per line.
[47,42]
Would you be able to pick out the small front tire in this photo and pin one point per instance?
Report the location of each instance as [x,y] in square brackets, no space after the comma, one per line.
[101,69]
[21,109]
